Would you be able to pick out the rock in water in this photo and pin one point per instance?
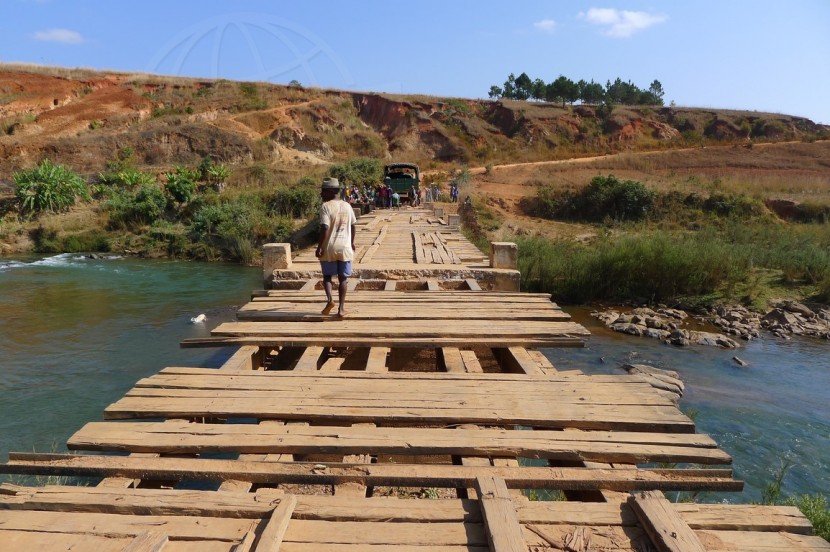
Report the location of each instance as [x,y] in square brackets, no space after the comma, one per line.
[198,319]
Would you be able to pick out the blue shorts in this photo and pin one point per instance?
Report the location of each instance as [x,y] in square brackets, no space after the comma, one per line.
[343,269]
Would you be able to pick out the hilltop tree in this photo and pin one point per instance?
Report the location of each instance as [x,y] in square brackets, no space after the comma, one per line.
[510,87]
[495,92]
[654,94]
[563,90]
[524,87]
[591,93]
[539,90]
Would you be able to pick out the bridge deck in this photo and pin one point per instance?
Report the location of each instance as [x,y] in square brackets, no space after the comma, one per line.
[421,423]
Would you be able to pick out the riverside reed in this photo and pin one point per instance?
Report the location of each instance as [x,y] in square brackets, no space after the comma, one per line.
[738,262]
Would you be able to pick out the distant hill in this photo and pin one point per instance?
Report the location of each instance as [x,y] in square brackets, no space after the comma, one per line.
[82,118]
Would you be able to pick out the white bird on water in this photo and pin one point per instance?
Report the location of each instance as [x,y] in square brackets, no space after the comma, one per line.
[198,319]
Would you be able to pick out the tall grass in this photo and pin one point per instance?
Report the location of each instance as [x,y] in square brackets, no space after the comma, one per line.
[657,266]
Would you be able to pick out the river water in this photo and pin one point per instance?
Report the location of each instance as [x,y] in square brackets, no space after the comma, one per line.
[77,333]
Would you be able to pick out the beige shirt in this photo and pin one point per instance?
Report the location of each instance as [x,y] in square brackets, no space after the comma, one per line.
[338,217]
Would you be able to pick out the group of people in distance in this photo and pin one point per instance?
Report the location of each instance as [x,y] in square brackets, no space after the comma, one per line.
[384,197]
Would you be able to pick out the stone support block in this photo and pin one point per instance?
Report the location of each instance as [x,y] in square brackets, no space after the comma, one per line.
[454,220]
[439,212]
[504,255]
[275,256]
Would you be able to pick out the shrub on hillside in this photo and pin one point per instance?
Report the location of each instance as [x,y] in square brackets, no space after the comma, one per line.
[358,172]
[49,187]
[181,183]
[145,206]
[604,198]
[237,229]
[296,202]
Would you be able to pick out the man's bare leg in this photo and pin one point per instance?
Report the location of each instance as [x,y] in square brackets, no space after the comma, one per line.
[327,287]
[341,295]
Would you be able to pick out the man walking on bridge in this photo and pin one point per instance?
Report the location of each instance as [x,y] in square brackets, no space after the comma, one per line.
[336,246]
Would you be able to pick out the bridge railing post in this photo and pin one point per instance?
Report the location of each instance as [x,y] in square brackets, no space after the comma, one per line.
[275,256]
[504,255]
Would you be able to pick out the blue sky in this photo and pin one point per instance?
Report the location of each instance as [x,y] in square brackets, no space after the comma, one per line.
[759,55]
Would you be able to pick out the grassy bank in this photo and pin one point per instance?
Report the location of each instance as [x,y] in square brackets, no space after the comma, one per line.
[746,263]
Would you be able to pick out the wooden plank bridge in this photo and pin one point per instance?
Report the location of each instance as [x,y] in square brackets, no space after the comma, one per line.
[422,422]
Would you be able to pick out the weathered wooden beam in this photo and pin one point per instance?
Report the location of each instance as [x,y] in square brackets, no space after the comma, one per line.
[271,538]
[666,529]
[501,522]
[408,475]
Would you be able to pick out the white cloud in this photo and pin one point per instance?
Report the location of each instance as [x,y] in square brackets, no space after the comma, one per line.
[546,25]
[64,36]
[621,23]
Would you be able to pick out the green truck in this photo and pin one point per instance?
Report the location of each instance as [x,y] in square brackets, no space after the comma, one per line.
[401,177]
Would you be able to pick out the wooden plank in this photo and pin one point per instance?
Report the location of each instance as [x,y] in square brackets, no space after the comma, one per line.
[741,541]
[410,295]
[471,363]
[397,311]
[148,541]
[743,517]
[283,378]
[187,438]
[332,364]
[501,522]
[377,359]
[400,329]
[117,525]
[390,285]
[393,342]
[665,527]
[432,285]
[245,358]
[407,475]
[472,284]
[310,284]
[517,359]
[371,535]
[138,501]
[449,359]
[199,403]
[542,361]
[310,360]
[24,540]
[236,505]
[271,538]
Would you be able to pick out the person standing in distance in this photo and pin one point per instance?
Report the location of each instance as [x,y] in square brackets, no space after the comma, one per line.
[336,246]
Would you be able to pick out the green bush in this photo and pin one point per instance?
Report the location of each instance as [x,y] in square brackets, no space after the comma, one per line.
[238,229]
[91,240]
[605,197]
[728,205]
[181,183]
[358,172]
[297,202]
[49,187]
[146,206]
[815,508]
[127,179]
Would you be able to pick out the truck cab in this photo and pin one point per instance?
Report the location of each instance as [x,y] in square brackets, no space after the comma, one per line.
[401,177]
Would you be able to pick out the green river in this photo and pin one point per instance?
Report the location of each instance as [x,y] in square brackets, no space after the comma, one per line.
[77,333]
